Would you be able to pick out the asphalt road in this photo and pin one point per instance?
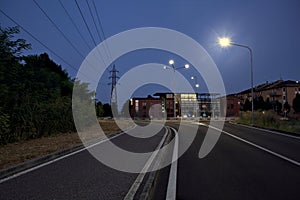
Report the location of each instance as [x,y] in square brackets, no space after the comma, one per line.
[235,169]
[245,163]
[79,176]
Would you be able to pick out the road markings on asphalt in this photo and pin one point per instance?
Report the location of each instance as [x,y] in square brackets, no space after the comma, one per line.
[138,181]
[171,190]
[62,157]
[257,146]
[268,131]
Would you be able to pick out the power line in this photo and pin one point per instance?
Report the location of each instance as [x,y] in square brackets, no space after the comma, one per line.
[83,18]
[65,37]
[85,23]
[100,38]
[41,43]
[35,38]
[99,35]
[74,24]
[101,28]
[53,23]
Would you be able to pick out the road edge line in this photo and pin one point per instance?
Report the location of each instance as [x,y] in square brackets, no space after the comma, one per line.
[138,181]
[171,189]
[259,147]
[31,165]
[268,131]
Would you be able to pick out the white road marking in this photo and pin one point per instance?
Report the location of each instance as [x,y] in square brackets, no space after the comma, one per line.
[60,158]
[269,131]
[259,147]
[138,181]
[171,191]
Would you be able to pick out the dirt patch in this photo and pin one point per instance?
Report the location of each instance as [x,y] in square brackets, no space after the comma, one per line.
[15,153]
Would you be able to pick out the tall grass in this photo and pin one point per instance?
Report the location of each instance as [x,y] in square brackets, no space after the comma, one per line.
[270,120]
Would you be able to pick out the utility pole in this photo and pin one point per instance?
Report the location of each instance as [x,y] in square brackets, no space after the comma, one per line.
[113,93]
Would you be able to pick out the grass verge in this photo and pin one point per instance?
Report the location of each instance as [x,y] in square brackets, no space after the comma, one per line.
[270,120]
[18,152]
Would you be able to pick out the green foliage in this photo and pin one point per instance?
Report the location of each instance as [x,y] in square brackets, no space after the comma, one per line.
[270,119]
[277,106]
[4,127]
[286,107]
[296,103]
[99,109]
[11,49]
[107,110]
[35,94]
[268,105]
[247,105]
[259,103]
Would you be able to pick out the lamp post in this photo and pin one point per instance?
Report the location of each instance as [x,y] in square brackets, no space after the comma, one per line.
[196,81]
[225,42]
[186,66]
[196,86]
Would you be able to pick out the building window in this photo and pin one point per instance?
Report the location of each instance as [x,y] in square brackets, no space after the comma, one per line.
[283,89]
[284,97]
[144,104]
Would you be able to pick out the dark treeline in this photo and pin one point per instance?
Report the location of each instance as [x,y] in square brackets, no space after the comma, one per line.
[260,104]
[35,93]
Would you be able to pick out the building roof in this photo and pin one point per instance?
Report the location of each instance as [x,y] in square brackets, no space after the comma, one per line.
[272,85]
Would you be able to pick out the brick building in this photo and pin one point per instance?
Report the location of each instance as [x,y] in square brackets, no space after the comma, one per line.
[185,105]
[279,91]
[145,108]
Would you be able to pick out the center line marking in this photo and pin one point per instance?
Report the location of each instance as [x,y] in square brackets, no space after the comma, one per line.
[171,190]
[138,181]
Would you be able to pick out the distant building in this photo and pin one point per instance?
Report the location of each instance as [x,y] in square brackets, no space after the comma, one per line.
[185,105]
[230,106]
[210,105]
[275,92]
[140,108]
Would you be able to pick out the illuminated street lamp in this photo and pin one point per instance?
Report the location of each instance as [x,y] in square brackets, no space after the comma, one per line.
[196,81]
[186,66]
[197,86]
[226,42]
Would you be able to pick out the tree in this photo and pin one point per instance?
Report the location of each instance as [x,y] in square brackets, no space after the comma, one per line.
[259,103]
[287,107]
[267,105]
[107,110]
[36,94]
[296,103]
[11,49]
[247,105]
[10,66]
[99,109]
[277,106]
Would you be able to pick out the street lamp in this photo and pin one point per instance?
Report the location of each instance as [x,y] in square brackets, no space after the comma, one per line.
[186,66]
[196,81]
[225,42]
[197,86]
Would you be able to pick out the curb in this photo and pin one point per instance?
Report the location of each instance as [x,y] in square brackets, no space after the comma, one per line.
[37,161]
[4,173]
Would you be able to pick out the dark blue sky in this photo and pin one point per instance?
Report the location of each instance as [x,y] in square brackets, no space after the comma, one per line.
[270,27]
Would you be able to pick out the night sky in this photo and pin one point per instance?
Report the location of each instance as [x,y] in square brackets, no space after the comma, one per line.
[271,28]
